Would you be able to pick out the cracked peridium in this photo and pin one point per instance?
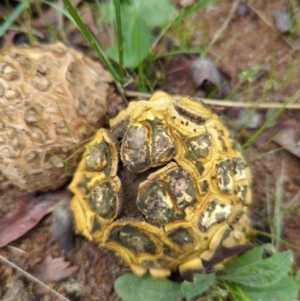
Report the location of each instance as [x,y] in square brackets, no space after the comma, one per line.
[169,191]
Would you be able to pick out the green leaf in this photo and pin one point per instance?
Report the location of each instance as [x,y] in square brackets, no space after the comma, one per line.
[155,13]
[137,41]
[286,289]
[236,292]
[138,18]
[108,12]
[254,255]
[201,283]
[132,288]
[263,272]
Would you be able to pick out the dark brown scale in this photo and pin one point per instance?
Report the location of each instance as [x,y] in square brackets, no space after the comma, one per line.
[103,200]
[189,116]
[152,203]
[182,237]
[180,184]
[199,145]
[98,157]
[133,238]
[135,151]
[224,178]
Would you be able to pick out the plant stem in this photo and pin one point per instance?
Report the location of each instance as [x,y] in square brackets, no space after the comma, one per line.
[13,16]
[90,39]
[251,140]
[120,38]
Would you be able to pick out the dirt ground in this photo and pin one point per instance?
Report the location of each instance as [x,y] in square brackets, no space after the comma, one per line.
[248,39]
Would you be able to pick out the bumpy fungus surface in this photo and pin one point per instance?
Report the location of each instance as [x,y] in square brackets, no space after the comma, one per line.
[164,188]
[52,98]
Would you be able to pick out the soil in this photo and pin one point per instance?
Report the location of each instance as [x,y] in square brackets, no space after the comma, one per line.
[249,40]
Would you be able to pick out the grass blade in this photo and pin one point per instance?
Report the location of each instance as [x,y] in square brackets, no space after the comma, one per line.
[120,38]
[90,39]
[191,10]
[251,140]
[13,16]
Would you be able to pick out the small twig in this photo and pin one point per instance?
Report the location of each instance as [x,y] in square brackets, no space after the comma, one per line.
[225,24]
[15,250]
[120,90]
[33,279]
[118,17]
[269,205]
[79,150]
[223,103]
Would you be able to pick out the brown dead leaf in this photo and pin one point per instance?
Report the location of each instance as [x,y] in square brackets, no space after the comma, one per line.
[178,70]
[178,76]
[296,180]
[32,210]
[289,137]
[53,269]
